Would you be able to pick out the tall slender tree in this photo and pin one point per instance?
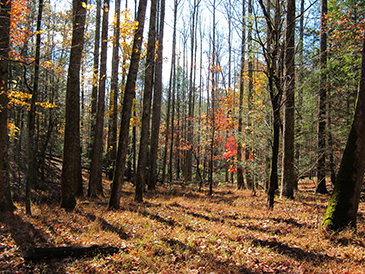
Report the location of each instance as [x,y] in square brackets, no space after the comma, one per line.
[250,53]
[321,165]
[96,166]
[173,74]
[191,95]
[114,201]
[94,91]
[6,203]
[240,181]
[213,78]
[71,165]
[289,177]
[31,149]
[147,99]
[157,98]
[273,57]
[113,130]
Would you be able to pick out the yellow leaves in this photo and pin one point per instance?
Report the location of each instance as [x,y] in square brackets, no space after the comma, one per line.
[46,105]
[135,122]
[13,129]
[22,99]
[39,32]
[18,96]
[84,5]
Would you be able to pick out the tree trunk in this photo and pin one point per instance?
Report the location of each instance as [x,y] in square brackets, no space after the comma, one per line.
[298,144]
[6,203]
[31,153]
[321,165]
[289,178]
[115,194]
[157,98]
[211,170]
[343,205]
[173,70]
[94,92]
[248,150]
[191,95]
[71,169]
[96,166]
[147,98]
[113,131]
[274,72]
[240,182]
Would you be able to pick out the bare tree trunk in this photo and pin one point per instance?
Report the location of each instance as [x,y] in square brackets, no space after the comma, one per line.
[157,98]
[240,182]
[273,59]
[300,77]
[71,168]
[94,92]
[6,203]
[147,98]
[115,194]
[211,171]
[248,150]
[96,166]
[321,165]
[191,94]
[173,69]
[112,140]
[289,178]
[31,152]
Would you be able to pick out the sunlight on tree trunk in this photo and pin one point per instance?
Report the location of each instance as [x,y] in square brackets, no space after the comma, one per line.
[96,166]
[114,201]
[146,113]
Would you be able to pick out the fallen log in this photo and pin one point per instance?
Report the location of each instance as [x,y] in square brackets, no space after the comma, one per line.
[35,254]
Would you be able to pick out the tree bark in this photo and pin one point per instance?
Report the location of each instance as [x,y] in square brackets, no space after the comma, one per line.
[71,168]
[273,59]
[211,170]
[147,99]
[289,178]
[321,165]
[113,131]
[157,98]
[114,201]
[6,203]
[191,96]
[248,149]
[173,73]
[343,205]
[31,153]
[94,92]
[96,166]
[240,182]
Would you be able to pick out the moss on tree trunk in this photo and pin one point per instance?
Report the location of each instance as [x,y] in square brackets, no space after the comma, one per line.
[342,208]
[338,213]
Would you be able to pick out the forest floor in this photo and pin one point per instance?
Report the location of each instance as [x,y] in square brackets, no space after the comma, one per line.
[183,231]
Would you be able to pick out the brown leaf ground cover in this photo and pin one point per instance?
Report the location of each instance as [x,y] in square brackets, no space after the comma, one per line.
[186,231]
